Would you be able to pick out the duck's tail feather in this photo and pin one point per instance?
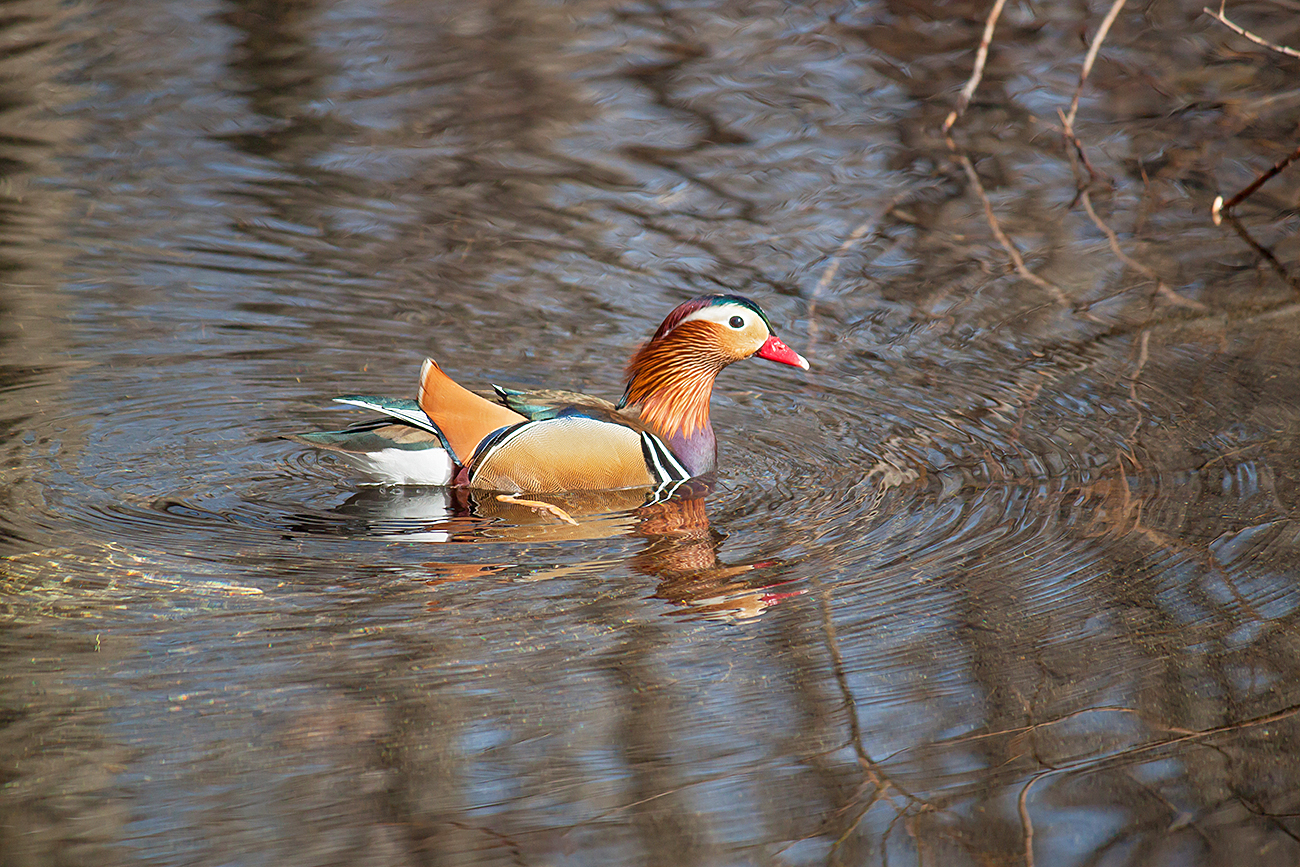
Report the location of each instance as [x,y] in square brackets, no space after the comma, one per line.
[461,416]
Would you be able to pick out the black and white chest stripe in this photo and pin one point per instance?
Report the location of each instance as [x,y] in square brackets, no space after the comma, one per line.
[660,461]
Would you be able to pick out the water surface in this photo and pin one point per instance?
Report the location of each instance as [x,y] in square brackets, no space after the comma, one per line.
[1008,577]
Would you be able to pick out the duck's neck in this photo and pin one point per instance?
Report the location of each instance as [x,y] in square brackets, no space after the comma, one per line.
[672,390]
[682,419]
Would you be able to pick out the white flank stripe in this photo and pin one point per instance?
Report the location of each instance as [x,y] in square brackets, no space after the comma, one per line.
[403,466]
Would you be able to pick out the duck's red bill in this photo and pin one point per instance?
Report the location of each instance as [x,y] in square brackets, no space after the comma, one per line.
[775,350]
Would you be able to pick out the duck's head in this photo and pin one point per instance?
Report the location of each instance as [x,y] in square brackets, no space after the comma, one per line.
[723,328]
[672,375]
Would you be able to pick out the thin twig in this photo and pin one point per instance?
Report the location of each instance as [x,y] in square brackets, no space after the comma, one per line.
[1161,289]
[1144,354]
[1164,291]
[1221,208]
[1016,259]
[981,55]
[1264,253]
[1242,31]
[1022,804]
[874,772]
[862,814]
[1127,756]
[1067,130]
[1091,57]
[540,506]
[867,227]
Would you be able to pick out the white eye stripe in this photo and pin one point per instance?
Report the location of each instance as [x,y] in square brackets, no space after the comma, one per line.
[722,314]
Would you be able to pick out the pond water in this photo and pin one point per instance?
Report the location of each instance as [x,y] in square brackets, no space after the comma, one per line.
[1010,576]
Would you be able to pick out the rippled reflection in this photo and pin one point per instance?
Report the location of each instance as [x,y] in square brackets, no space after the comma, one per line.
[1006,578]
[681,548]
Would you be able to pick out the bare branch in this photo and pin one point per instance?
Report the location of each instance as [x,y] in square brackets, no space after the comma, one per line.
[1220,208]
[1164,291]
[1026,823]
[1265,254]
[1242,31]
[1092,55]
[1067,130]
[981,56]
[1016,259]
[866,228]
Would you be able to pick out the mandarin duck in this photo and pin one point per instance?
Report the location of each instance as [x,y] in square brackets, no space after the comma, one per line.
[657,436]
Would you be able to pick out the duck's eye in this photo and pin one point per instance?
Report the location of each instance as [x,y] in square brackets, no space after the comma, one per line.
[737,322]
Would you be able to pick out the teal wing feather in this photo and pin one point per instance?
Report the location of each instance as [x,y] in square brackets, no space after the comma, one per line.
[550,403]
[372,436]
[402,409]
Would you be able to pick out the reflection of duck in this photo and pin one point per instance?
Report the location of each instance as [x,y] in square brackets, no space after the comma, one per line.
[471,516]
[415,514]
[658,435]
[681,550]
[683,555]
